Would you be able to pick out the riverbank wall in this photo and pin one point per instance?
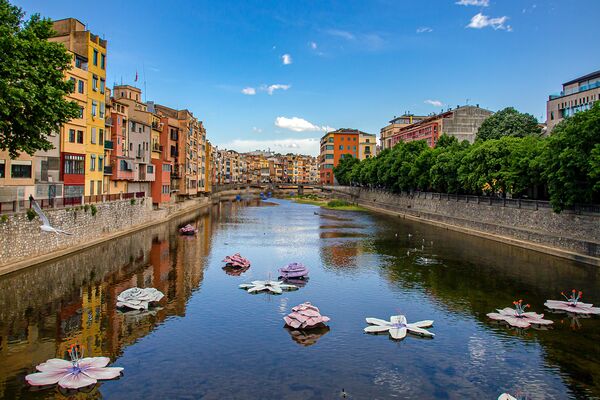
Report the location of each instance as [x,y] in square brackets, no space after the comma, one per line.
[23,244]
[570,235]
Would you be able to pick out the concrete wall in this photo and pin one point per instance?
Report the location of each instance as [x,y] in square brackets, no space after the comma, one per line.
[567,232]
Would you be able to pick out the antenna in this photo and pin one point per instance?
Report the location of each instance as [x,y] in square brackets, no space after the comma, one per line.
[144,72]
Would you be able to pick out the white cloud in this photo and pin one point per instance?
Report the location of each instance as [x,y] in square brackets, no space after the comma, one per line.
[480,3]
[424,29]
[342,34]
[308,146]
[313,45]
[299,125]
[435,103]
[250,91]
[480,21]
[286,59]
[272,88]
[256,130]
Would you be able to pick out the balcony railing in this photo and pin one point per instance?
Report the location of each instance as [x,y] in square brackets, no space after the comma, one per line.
[107,170]
[578,90]
[108,144]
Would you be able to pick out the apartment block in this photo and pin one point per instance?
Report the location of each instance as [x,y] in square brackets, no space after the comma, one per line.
[579,94]
[387,132]
[339,143]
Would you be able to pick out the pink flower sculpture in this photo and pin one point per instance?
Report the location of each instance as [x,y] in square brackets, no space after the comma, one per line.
[305,316]
[293,271]
[77,373]
[518,317]
[188,230]
[572,305]
[237,261]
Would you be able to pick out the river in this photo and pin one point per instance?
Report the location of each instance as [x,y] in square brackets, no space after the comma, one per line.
[209,339]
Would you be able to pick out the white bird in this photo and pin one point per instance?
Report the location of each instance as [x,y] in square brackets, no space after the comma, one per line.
[46,227]
[409,235]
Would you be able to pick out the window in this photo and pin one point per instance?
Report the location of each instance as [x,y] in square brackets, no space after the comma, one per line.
[74,164]
[79,136]
[330,140]
[80,86]
[102,109]
[72,81]
[72,135]
[93,162]
[20,169]
[342,139]
[329,156]
[166,167]
[101,136]
[81,112]
[341,147]
[551,115]
[95,57]
[150,169]
[102,85]
[79,62]
[348,148]
[102,61]
[93,136]
[367,140]
[94,108]
[95,83]
[328,147]
[99,187]
[100,163]
[353,147]
[165,189]
[2,169]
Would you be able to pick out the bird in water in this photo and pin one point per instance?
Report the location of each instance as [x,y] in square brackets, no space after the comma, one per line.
[343,394]
[396,235]
[409,235]
[46,227]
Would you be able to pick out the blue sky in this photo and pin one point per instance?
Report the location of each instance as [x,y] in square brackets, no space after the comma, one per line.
[268,73]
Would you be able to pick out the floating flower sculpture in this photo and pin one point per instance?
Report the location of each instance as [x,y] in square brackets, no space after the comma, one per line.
[305,316]
[518,317]
[506,396]
[398,327]
[77,373]
[293,271]
[572,305]
[236,261]
[276,287]
[188,230]
[138,299]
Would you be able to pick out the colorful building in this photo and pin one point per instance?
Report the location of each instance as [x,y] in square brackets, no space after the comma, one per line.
[385,137]
[340,143]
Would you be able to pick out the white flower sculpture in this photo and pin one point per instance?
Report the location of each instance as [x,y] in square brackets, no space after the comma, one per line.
[506,396]
[572,305]
[517,316]
[138,299]
[276,287]
[77,373]
[398,327]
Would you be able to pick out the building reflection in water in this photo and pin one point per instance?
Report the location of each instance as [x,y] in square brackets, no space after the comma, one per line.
[45,309]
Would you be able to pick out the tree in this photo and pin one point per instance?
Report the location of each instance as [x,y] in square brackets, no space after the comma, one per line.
[32,82]
[344,169]
[508,122]
[571,160]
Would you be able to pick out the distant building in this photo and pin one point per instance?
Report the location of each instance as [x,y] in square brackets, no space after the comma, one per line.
[385,137]
[342,142]
[462,123]
[577,95]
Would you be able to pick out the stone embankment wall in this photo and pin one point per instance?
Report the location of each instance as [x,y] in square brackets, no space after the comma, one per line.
[567,232]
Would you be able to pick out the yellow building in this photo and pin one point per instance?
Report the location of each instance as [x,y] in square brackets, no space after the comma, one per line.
[91,48]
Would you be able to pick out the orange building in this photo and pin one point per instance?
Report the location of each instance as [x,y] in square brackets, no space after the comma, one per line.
[335,145]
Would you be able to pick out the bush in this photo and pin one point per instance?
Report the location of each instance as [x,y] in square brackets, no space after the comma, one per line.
[30,214]
[338,203]
[94,210]
[86,207]
[132,202]
[4,218]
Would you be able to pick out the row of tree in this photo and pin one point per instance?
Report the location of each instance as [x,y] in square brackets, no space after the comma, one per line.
[509,157]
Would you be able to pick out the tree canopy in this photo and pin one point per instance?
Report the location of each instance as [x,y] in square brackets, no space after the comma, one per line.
[508,122]
[32,82]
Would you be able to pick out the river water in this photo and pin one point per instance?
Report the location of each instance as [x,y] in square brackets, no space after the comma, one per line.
[210,340]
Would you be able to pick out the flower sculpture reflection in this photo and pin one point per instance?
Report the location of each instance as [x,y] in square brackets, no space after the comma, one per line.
[276,287]
[572,305]
[307,337]
[138,299]
[236,261]
[77,373]
[517,316]
[398,327]
[305,316]
[293,271]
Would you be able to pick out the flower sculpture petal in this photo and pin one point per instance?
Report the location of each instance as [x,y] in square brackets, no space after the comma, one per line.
[517,316]
[77,373]
[572,304]
[293,271]
[398,327]
[236,261]
[506,396]
[276,287]
[305,316]
[138,299]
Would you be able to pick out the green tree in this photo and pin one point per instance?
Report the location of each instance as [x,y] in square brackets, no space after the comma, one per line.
[508,122]
[447,159]
[571,160]
[344,168]
[32,82]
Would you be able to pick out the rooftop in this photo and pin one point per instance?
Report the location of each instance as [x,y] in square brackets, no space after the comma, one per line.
[584,78]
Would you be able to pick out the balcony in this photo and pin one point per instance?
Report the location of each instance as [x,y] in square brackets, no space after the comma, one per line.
[578,90]
[108,121]
[107,170]
[176,172]
[108,144]
[157,148]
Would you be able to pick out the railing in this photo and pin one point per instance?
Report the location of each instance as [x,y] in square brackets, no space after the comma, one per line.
[578,90]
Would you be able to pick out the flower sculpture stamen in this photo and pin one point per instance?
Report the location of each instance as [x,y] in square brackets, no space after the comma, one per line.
[77,373]
[572,304]
[138,299]
[305,316]
[276,287]
[398,327]
[236,261]
[293,271]
[517,316]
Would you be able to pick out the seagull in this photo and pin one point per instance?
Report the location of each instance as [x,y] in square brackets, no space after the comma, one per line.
[409,235]
[46,227]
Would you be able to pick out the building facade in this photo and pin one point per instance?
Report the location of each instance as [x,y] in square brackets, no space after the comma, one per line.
[340,143]
[387,132]
[579,94]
